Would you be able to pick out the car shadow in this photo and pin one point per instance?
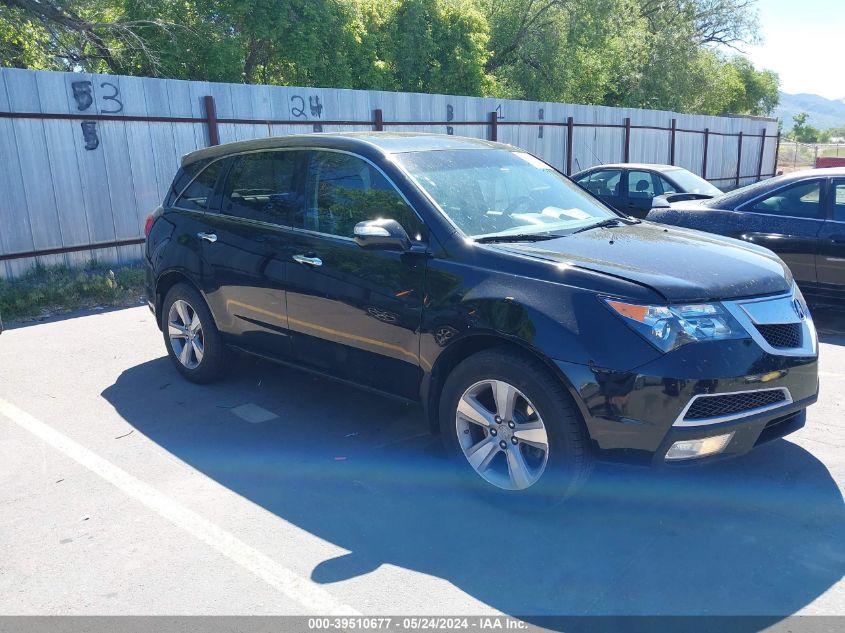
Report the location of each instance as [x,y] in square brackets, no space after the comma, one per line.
[830,323]
[757,535]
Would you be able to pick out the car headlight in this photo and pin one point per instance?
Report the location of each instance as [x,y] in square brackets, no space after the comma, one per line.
[667,327]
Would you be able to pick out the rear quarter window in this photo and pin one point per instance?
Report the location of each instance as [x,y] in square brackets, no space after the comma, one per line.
[181,180]
[199,194]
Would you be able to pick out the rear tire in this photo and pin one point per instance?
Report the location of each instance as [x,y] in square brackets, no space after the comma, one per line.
[191,336]
[514,429]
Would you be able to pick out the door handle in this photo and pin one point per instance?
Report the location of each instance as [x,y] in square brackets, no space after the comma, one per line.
[208,237]
[310,261]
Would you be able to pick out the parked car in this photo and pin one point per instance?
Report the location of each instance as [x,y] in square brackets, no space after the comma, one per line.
[631,187]
[800,216]
[538,328]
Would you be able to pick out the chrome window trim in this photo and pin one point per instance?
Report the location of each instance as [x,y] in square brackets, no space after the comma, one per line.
[266,225]
[809,339]
[680,422]
[786,217]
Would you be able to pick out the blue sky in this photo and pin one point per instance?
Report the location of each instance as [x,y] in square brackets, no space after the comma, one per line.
[804,43]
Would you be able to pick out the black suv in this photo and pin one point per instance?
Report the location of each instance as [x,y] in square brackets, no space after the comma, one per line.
[537,327]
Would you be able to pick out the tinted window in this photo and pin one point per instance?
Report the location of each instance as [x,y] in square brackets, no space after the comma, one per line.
[199,193]
[262,186]
[604,182]
[640,185]
[801,200]
[183,177]
[839,201]
[344,190]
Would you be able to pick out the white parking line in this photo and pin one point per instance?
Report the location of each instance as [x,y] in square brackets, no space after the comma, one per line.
[315,599]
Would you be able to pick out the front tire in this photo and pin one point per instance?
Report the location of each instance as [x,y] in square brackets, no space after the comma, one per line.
[191,336]
[513,428]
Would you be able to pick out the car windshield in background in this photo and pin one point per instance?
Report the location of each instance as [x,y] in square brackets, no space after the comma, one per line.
[690,183]
[491,192]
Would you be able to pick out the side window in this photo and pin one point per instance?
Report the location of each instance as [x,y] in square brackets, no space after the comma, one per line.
[640,185]
[801,201]
[182,178]
[668,187]
[604,182]
[344,190]
[839,200]
[199,193]
[263,186]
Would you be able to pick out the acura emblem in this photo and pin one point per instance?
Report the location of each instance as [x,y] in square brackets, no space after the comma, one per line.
[799,309]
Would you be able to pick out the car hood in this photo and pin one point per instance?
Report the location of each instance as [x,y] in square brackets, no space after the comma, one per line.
[681,264]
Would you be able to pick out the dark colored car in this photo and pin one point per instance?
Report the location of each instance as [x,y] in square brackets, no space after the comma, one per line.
[800,216]
[630,188]
[537,327]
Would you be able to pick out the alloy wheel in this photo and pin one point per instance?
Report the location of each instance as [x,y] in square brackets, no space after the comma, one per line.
[502,435]
[184,330]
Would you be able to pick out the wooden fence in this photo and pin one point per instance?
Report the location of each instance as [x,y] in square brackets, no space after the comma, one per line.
[84,158]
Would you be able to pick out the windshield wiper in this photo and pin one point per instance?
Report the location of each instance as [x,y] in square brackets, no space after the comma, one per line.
[515,237]
[603,224]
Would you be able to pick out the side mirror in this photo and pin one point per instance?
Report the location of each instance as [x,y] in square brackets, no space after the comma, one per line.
[660,202]
[382,234]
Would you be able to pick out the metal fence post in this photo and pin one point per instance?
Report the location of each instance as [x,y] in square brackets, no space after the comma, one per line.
[570,128]
[738,159]
[762,152]
[378,120]
[493,117]
[211,120]
[704,161]
[672,144]
[627,140]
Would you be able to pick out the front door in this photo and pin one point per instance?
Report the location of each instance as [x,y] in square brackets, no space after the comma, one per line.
[640,191]
[353,312]
[788,222]
[830,263]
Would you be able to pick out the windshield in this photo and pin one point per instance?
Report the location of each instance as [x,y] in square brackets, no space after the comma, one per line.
[489,192]
[690,183]
[728,200]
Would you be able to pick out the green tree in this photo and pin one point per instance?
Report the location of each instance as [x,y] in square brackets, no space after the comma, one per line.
[804,132]
[759,92]
[637,53]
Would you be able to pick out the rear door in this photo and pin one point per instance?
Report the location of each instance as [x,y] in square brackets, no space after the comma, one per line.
[606,185]
[245,247]
[355,312]
[787,221]
[830,262]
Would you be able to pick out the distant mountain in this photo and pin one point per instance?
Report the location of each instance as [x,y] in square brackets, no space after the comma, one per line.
[824,113]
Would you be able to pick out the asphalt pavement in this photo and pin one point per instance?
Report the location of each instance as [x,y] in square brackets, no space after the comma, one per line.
[125,489]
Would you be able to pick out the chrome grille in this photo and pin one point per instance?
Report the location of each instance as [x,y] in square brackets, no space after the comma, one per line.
[718,406]
[782,335]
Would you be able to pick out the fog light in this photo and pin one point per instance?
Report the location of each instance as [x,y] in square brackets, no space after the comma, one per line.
[691,449]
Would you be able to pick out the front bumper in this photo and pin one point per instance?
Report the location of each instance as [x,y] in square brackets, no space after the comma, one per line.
[640,413]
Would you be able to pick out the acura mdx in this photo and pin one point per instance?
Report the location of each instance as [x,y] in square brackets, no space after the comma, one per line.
[538,328]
